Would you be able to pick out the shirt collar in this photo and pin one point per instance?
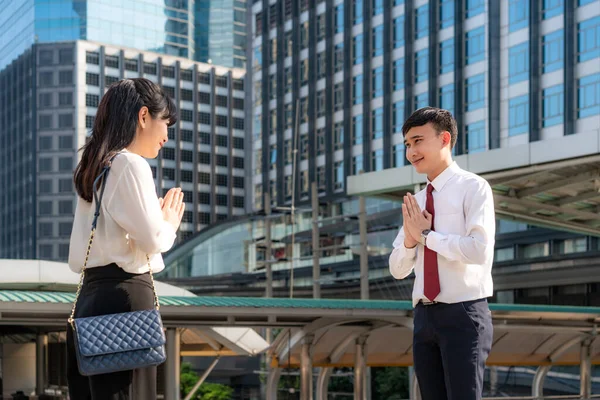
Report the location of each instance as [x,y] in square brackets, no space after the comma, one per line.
[441,180]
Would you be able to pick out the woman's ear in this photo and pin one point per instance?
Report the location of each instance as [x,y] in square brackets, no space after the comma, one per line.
[142,116]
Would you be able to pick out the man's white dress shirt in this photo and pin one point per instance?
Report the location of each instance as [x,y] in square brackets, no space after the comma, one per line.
[463,237]
[130,225]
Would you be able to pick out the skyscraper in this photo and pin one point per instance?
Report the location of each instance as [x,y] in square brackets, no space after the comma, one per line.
[511,72]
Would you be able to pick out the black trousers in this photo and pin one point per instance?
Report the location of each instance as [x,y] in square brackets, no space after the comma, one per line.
[451,343]
[109,290]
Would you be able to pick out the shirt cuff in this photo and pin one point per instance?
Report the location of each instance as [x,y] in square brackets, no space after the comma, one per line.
[410,252]
[168,236]
[433,240]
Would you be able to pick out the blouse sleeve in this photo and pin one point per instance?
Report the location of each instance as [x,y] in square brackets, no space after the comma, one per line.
[135,207]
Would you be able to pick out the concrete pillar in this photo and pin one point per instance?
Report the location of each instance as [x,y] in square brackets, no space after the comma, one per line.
[306,381]
[41,363]
[585,374]
[172,365]
[360,366]
[323,383]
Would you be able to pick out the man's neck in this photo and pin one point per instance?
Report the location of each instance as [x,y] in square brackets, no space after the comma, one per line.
[439,169]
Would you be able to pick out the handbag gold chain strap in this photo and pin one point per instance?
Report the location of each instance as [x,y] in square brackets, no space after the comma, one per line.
[71,319]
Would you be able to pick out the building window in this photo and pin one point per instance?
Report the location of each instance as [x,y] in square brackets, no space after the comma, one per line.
[168,71]
[421,100]
[446,13]
[398,77]
[46,78]
[65,98]
[65,77]
[552,8]
[588,96]
[111,61]
[398,117]
[518,63]
[339,18]
[518,14]
[204,118]
[45,165]
[46,229]
[45,100]
[377,39]
[92,57]
[65,120]
[357,49]
[552,51]
[357,164]
[518,115]
[187,95]
[475,46]
[475,92]
[203,98]
[221,180]
[377,82]
[377,123]
[65,142]
[553,105]
[399,31]
[357,129]
[588,39]
[357,11]
[474,7]
[92,100]
[320,103]
[399,155]
[64,185]
[338,136]
[204,77]
[65,164]
[536,250]
[504,254]
[109,80]
[447,97]
[89,121]
[377,160]
[338,58]
[422,65]
[131,64]
[45,142]
[45,207]
[476,137]
[338,96]
[422,21]
[186,75]
[150,68]
[338,168]
[447,56]
[357,89]
[46,251]
[569,246]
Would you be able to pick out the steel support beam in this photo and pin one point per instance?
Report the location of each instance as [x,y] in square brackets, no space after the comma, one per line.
[323,383]
[41,363]
[172,365]
[585,374]
[306,377]
[273,383]
[360,369]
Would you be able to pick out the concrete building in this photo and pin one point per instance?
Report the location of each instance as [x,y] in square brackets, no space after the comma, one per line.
[48,99]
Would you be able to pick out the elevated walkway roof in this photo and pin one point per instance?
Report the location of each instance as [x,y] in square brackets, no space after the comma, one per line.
[523,334]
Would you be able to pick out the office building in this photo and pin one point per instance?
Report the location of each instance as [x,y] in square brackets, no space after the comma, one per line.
[48,100]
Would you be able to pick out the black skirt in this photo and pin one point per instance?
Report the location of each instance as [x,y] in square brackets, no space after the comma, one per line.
[109,290]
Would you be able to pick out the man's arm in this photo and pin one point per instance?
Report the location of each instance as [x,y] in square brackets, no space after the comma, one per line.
[402,259]
[477,247]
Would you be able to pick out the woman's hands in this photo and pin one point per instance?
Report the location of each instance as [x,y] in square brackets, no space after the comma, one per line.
[172,207]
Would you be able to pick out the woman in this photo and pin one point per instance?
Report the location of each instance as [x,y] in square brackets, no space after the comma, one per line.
[131,124]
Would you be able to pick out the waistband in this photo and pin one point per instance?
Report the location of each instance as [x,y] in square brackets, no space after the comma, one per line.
[113,272]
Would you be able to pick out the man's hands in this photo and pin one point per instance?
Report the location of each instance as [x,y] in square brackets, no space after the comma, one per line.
[415,221]
[172,207]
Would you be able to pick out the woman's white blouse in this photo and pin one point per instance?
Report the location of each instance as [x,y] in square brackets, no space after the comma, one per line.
[130,225]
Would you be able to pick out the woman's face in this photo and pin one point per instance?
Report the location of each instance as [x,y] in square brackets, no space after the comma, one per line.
[151,135]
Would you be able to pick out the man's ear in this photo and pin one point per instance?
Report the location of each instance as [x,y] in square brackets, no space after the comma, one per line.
[446,138]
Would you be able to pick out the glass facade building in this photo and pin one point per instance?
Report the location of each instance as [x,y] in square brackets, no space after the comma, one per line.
[165,26]
[351,71]
[220,32]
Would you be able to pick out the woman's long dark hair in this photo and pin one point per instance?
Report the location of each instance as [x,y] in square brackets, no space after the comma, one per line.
[116,124]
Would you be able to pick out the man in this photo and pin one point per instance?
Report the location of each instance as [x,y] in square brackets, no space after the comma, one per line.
[448,238]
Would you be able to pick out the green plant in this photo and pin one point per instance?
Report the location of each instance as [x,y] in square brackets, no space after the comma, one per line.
[207,391]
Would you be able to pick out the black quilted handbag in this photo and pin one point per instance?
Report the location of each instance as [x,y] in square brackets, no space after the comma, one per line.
[116,342]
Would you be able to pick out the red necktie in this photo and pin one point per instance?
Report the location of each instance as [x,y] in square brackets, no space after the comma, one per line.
[431,277]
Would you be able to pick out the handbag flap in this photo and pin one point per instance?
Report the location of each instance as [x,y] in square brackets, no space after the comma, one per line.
[115,333]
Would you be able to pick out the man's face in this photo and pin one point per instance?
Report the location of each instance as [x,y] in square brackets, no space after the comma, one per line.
[425,147]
